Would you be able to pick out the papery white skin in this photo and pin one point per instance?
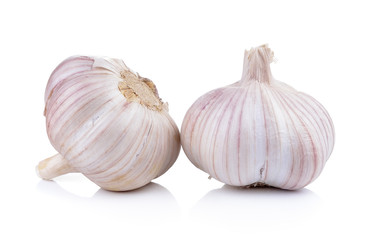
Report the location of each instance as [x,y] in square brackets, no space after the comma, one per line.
[118,144]
[258,131]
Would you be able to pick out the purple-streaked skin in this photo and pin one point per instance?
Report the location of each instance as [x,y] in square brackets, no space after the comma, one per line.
[258,131]
[118,144]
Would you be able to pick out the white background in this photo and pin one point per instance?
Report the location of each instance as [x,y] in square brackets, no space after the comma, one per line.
[187,48]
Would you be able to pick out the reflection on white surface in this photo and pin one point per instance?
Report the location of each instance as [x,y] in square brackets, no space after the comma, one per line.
[266,205]
[147,203]
[224,213]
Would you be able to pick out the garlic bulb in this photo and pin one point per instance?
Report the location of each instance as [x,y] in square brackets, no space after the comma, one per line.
[258,131]
[108,123]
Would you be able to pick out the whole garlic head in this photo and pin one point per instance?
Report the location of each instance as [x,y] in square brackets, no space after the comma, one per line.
[258,131]
[108,123]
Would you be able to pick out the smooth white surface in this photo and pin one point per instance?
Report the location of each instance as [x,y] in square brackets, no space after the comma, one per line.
[187,48]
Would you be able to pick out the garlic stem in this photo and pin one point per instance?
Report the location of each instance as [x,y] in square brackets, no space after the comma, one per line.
[53,167]
[257,64]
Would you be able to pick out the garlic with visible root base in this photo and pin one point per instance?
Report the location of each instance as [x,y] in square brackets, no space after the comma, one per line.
[108,123]
[258,131]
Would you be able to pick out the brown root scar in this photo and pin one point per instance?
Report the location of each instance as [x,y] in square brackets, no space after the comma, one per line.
[141,90]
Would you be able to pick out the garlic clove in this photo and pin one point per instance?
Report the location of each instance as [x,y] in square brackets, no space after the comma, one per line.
[107,122]
[258,131]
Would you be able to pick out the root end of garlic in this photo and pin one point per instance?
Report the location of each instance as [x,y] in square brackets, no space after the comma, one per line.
[258,185]
[142,90]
